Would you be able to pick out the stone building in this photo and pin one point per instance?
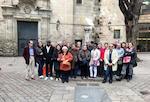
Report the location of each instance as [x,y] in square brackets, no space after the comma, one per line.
[143,39]
[58,20]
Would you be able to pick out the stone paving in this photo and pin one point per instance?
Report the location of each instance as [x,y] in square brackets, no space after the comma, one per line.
[14,88]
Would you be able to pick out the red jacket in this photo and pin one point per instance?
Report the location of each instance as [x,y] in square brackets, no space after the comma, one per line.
[68,58]
[26,55]
[102,52]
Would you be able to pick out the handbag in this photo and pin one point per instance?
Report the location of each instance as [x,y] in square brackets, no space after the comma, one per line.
[127,59]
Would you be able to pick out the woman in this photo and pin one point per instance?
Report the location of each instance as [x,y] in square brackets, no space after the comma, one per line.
[57,52]
[129,61]
[40,60]
[74,69]
[94,61]
[84,58]
[65,64]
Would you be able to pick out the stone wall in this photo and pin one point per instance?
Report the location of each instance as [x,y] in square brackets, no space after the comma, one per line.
[72,19]
[8,48]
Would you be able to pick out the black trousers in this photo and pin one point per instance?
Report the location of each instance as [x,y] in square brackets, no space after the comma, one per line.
[65,76]
[119,69]
[49,67]
[84,70]
[101,69]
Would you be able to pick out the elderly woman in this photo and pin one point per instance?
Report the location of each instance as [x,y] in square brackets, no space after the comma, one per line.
[65,64]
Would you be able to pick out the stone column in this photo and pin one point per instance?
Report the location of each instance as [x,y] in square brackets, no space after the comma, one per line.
[88,31]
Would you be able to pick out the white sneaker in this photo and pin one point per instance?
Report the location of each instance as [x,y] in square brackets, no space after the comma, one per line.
[46,78]
[56,79]
[41,77]
[51,78]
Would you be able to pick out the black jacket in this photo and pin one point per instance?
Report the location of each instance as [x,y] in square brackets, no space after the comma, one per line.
[48,55]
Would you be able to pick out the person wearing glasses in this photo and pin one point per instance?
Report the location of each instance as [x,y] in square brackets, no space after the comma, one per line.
[110,60]
[29,55]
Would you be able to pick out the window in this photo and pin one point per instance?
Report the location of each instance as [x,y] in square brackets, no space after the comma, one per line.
[116,34]
[145,9]
[79,1]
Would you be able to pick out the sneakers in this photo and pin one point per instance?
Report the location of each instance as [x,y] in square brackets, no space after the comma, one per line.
[51,78]
[104,81]
[56,79]
[46,78]
[41,77]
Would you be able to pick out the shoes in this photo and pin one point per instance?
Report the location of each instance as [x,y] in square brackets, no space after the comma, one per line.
[62,81]
[104,81]
[46,78]
[51,78]
[129,78]
[110,81]
[27,79]
[56,79]
[41,77]
[33,78]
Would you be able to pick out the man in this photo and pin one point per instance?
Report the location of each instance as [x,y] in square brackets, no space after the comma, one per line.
[120,60]
[29,55]
[48,53]
[84,58]
[75,62]
[110,59]
[94,62]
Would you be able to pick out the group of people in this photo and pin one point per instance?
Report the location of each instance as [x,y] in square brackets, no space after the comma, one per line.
[90,60]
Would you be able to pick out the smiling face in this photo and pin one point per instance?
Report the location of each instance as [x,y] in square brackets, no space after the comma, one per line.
[130,45]
[111,46]
[30,43]
[40,44]
[65,49]
[84,47]
[58,47]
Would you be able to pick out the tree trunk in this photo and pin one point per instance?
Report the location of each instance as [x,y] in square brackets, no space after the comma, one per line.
[131,11]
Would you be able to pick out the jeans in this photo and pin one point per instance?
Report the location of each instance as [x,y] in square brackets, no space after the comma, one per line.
[108,73]
[124,69]
[93,71]
[40,69]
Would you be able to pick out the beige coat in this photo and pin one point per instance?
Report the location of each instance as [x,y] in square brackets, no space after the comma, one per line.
[114,59]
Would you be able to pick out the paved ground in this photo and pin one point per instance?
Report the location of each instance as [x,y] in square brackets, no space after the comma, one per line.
[13,87]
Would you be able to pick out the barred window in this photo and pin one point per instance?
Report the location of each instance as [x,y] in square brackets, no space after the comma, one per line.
[79,1]
[116,34]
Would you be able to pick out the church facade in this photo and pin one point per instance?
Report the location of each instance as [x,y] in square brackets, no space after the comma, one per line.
[58,20]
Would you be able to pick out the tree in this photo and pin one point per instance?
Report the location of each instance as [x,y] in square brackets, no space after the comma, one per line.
[131,11]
